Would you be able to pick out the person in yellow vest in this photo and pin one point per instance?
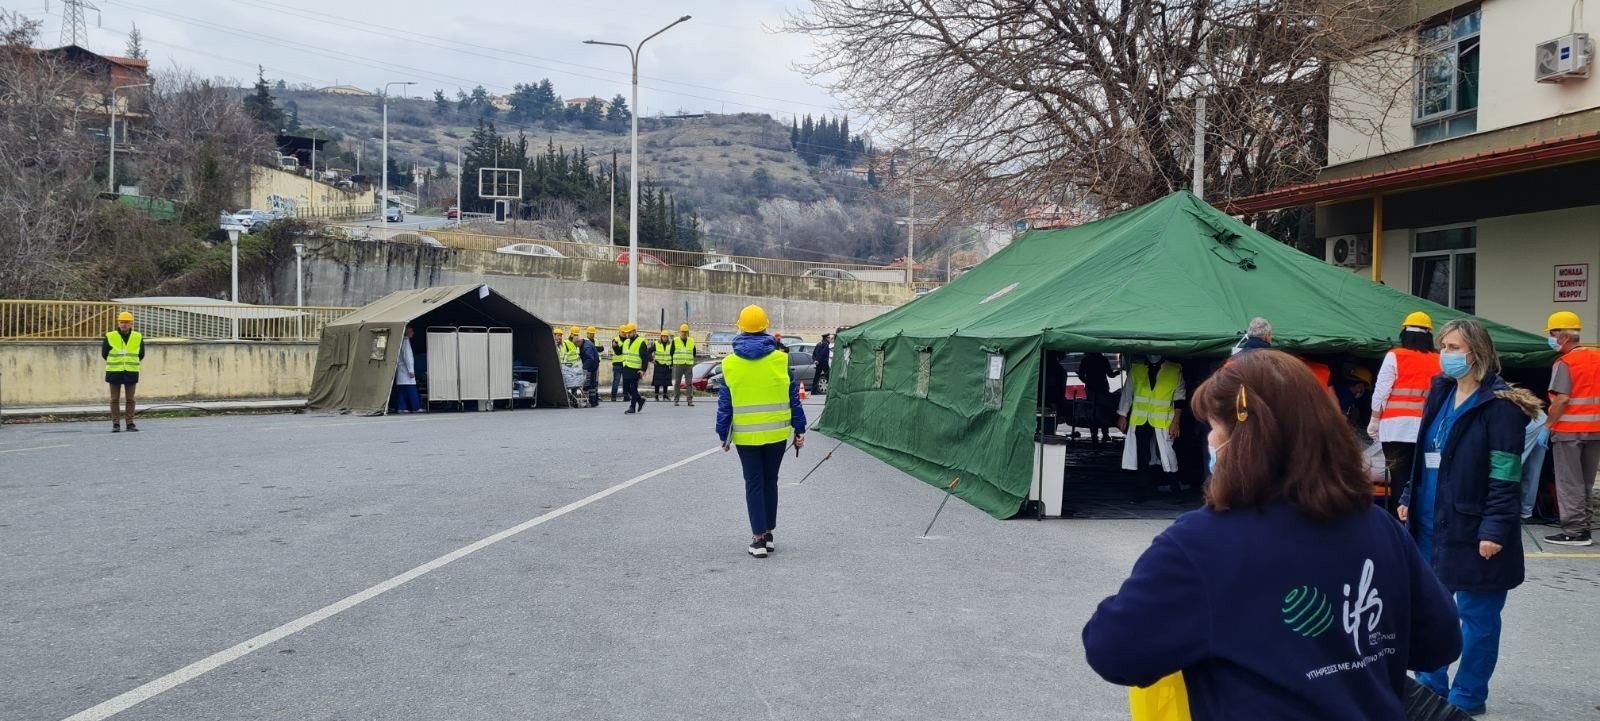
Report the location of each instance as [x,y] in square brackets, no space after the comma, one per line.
[1150,413]
[568,349]
[123,350]
[631,351]
[1398,394]
[1574,423]
[661,375]
[683,366]
[758,407]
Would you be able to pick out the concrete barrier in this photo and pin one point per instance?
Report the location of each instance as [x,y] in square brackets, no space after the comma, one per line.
[59,373]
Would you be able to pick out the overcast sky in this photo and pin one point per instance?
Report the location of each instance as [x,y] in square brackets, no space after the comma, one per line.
[723,60]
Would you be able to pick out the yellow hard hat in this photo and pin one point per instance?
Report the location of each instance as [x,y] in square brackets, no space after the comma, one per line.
[573,331]
[683,328]
[1419,319]
[558,330]
[665,333]
[124,316]
[1361,374]
[753,319]
[592,330]
[628,328]
[1563,320]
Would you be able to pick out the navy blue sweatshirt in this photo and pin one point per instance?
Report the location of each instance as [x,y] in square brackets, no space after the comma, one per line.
[1273,616]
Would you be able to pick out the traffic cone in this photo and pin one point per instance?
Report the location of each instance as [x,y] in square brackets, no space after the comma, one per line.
[803,394]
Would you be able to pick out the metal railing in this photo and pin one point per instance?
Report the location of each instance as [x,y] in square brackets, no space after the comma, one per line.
[88,320]
[336,211]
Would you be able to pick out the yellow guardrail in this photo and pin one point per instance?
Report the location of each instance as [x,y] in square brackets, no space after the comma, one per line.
[88,320]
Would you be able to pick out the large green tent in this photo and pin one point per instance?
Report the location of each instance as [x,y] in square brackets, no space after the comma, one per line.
[947,386]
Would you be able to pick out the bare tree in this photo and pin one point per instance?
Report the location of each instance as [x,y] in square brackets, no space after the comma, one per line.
[198,145]
[1024,100]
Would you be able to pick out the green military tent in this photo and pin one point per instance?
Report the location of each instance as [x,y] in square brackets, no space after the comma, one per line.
[948,385]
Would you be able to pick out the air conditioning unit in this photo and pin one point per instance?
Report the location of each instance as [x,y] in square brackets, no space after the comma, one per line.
[1563,58]
[1351,251]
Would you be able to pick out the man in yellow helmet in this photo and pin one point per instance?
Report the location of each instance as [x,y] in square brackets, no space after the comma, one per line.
[123,351]
[589,357]
[683,365]
[632,359]
[1574,423]
[758,407]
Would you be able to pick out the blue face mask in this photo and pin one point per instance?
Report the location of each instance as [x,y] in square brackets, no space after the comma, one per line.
[1211,458]
[1555,343]
[1454,365]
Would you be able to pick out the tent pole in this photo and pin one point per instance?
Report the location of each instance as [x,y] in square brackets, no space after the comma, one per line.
[1377,238]
[1038,443]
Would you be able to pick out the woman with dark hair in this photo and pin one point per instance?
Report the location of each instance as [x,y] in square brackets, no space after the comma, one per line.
[1289,595]
[1398,394]
[1464,500]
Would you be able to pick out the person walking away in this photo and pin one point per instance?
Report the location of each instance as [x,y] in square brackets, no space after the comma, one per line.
[616,366]
[1398,395]
[1096,373]
[661,355]
[820,356]
[1574,426]
[1462,501]
[123,352]
[589,358]
[1330,606]
[632,360]
[683,365]
[405,377]
[1150,414]
[758,407]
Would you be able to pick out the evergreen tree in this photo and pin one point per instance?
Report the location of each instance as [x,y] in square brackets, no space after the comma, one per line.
[592,116]
[794,133]
[135,47]
[844,140]
[260,106]
[546,100]
[872,174]
[441,105]
[463,101]
[292,125]
[618,115]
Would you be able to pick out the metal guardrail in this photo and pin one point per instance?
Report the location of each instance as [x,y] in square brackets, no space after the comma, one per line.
[89,320]
[336,211]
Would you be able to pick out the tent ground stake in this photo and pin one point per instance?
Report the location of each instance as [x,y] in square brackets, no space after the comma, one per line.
[948,492]
[819,463]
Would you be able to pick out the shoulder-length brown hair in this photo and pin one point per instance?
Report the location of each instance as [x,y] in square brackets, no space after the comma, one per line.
[1286,440]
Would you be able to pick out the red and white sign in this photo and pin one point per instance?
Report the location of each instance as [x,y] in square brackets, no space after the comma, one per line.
[1572,283]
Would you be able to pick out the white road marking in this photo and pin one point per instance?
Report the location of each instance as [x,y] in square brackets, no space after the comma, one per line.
[37,448]
[210,663]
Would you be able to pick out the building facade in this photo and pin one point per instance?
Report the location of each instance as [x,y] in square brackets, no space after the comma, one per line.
[1474,181]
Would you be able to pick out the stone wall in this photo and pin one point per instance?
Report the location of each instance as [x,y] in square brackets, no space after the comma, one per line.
[58,373]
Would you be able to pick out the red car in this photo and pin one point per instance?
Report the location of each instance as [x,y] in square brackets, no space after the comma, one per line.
[452,213]
[702,372]
[644,259]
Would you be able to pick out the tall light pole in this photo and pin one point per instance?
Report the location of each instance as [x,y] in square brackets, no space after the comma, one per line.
[383,208]
[461,170]
[633,179]
[233,240]
[299,290]
[111,132]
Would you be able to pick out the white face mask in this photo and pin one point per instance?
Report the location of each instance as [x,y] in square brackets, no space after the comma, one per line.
[1153,359]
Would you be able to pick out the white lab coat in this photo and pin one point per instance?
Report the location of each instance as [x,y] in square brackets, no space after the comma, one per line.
[1390,430]
[405,370]
[1160,444]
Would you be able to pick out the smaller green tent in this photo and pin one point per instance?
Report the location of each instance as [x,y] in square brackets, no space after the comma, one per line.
[947,386]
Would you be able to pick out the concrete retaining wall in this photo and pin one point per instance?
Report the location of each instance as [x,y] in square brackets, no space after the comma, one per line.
[59,373]
[581,290]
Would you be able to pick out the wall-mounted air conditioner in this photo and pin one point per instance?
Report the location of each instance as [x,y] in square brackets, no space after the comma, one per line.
[1563,58]
[1350,251]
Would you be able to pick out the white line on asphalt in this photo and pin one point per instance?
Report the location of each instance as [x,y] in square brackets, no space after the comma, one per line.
[38,448]
[210,663]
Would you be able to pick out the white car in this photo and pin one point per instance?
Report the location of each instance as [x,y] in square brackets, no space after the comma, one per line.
[537,249]
[251,219]
[394,215]
[831,273]
[727,266]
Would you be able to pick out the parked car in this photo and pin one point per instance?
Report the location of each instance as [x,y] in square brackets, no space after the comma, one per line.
[923,290]
[537,249]
[727,266]
[644,259]
[452,213]
[831,273]
[702,371]
[395,215]
[801,367]
[251,219]
[720,343]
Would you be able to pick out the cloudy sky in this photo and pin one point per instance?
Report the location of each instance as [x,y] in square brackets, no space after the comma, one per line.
[723,60]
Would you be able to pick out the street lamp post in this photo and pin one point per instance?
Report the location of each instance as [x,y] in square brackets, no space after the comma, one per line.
[111,133]
[233,240]
[383,208]
[633,160]
[461,171]
[299,290]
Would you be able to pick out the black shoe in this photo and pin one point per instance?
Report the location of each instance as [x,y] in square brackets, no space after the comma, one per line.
[1568,539]
[757,549]
[767,539]
[629,411]
[1474,712]
[641,405]
[133,428]
[116,428]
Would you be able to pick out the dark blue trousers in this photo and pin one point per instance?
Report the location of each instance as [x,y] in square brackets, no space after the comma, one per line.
[406,398]
[761,484]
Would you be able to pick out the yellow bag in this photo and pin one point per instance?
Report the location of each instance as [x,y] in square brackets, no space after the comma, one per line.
[1164,700]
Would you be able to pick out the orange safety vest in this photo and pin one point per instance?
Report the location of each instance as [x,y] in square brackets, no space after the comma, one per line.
[1416,372]
[1323,374]
[1583,405]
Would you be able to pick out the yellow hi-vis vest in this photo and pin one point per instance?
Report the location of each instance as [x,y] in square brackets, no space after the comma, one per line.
[569,353]
[682,351]
[663,355]
[629,356]
[124,356]
[759,390]
[1153,406]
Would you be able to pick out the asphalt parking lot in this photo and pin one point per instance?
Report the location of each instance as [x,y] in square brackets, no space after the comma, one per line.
[556,564]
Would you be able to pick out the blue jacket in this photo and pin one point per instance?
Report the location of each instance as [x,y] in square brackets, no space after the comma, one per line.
[1270,615]
[589,355]
[1480,487]
[755,346]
